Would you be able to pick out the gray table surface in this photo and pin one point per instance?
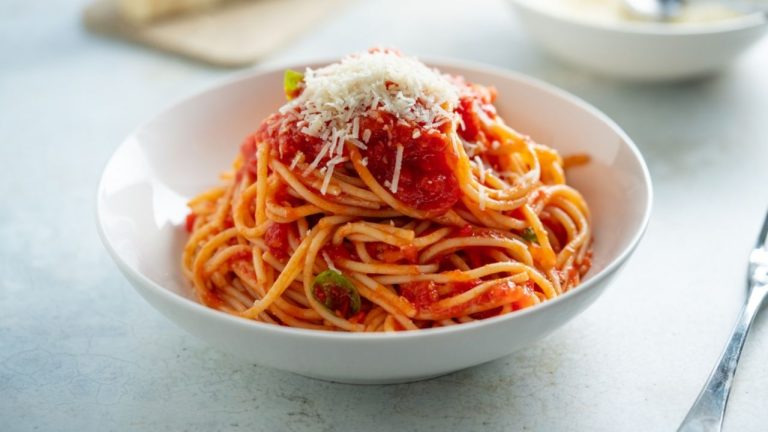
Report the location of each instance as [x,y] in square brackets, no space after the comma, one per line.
[79,350]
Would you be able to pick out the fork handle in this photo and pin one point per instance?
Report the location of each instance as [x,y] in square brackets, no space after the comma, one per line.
[706,414]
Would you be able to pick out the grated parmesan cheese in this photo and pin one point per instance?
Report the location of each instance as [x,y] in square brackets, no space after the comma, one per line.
[462,126]
[482,197]
[471,149]
[318,158]
[480,169]
[329,262]
[335,97]
[296,159]
[356,127]
[357,143]
[398,167]
[329,172]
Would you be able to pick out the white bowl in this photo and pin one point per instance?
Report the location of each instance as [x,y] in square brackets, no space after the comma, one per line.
[641,51]
[141,210]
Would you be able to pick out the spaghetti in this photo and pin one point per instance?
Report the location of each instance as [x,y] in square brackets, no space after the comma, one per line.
[386,196]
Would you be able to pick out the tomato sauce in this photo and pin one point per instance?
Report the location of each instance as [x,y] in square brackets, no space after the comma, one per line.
[474,97]
[519,296]
[338,252]
[487,314]
[276,238]
[427,177]
[392,254]
[248,151]
[461,287]
[189,222]
[472,253]
[421,294]
[285,136]
[211,299]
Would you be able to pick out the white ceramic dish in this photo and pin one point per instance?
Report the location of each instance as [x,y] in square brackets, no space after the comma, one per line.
[641,51]
[141,210]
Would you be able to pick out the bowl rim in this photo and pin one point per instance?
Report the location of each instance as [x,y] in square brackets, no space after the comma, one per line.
[192,306]
[747,21]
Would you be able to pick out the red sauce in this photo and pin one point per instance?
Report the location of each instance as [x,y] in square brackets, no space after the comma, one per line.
[476,232]
[558,230]
[211,299]
[503,292]
[474,96]
[276,238]
[427,179]
[464,286]
[525,296]
[471,128]
[472,253]
[282,197]
[248,150]
[421,294]
[464,231]
[229,222]
[242,255]
[337,252]
[285,136]
[189,222]
[517,213]
[487,314]
[358,317]
[392,254]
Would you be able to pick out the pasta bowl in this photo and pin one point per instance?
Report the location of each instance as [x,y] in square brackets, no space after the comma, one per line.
[638,51]
[141,210]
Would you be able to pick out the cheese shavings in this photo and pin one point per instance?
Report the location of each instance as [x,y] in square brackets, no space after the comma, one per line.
[329,172]
[335,97]
[329,262]
[398,167]
[480,169]
[296,159]
[481,198]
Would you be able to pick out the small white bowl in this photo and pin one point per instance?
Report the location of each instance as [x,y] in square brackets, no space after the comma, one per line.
[141,210]
[641,51]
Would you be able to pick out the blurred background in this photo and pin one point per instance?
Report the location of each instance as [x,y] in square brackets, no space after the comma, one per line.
[80,350]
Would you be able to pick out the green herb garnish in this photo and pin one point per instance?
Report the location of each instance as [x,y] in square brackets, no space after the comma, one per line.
[336,292]
[292,83]
[529,235]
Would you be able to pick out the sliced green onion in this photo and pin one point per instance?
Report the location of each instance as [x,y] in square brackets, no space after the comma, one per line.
[328,288]
[292,82]
[529,235]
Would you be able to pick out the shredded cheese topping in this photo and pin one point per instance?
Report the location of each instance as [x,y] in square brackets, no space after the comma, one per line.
[335,97]
[329,262]
[398,167]
[480,169]
[296,159]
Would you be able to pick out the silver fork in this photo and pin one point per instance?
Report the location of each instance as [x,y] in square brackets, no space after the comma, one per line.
[707,412]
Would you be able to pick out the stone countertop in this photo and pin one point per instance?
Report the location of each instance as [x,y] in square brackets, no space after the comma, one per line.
[79,350]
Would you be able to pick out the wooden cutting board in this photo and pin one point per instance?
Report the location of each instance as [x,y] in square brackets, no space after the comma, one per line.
[234,34]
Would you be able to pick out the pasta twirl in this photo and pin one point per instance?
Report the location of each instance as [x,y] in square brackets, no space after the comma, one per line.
[386,196]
